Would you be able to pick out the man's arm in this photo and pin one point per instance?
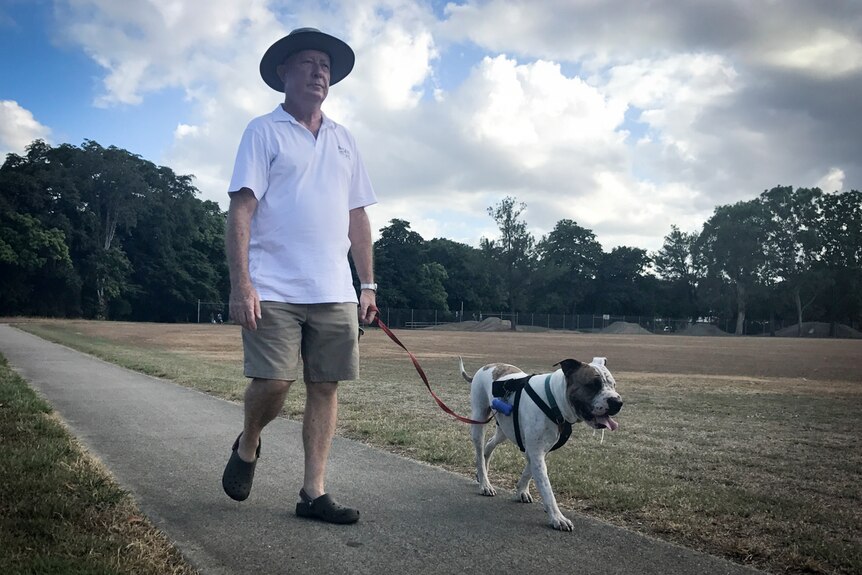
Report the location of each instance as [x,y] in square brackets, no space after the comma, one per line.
[362,251]
[244,299]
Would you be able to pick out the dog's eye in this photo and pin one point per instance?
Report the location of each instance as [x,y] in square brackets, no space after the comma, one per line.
[595,384]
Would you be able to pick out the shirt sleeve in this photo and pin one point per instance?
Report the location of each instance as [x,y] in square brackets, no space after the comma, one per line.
[251,168]
[361,191]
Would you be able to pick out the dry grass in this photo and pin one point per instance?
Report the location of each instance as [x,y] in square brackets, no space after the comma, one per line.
[743,447]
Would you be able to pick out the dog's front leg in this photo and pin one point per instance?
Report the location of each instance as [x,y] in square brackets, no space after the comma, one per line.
[522,492]
[543,484]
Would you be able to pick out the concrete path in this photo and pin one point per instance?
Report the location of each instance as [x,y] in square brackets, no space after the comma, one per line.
[168,445]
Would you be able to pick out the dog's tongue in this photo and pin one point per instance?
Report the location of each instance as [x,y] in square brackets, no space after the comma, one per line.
[608,422]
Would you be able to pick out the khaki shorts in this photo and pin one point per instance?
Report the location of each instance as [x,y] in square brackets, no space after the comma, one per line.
[324,336]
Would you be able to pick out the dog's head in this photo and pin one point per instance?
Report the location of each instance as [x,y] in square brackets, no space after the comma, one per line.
[591,390]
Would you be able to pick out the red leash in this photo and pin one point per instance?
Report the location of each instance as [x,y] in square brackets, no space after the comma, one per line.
[421,373]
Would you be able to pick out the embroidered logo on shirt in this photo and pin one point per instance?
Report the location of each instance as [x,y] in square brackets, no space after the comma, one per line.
[344,152]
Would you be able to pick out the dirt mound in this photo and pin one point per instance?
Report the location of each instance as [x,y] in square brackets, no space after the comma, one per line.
[819,329]
[455,326]
[493,324]
[625,327]
[487,324]
[702,329]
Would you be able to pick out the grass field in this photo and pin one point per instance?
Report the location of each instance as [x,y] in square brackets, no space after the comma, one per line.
[747,448]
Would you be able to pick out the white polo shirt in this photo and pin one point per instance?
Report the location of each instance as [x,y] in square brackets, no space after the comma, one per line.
[305,189]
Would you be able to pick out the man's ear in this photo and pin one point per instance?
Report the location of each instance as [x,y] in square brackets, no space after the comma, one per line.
[280,70]
[569,366]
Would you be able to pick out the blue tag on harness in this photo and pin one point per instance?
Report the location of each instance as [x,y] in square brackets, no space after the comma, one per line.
[501,406]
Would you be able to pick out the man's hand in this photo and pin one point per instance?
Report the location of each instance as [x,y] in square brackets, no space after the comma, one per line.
[245,306]
[367,306]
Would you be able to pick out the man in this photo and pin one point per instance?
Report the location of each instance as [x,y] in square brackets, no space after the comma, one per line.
[297,206]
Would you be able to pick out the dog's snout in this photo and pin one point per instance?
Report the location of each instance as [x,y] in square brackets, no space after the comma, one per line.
[615,404]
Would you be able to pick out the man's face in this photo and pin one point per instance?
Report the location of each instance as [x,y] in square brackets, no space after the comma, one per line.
[306,75]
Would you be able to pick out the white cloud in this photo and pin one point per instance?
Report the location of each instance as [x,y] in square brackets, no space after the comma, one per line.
[624,116]
[395,55]
[18,128]
[682,83]
[535,113]
[826,52]
[833,181]
[184,130]
[147,46]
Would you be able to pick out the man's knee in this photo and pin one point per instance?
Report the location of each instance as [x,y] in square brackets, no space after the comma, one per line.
[321,390]
[270,386]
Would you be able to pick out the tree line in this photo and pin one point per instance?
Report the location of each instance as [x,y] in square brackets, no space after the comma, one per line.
[99,232]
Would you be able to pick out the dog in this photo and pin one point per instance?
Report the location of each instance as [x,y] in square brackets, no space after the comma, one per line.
[582,392]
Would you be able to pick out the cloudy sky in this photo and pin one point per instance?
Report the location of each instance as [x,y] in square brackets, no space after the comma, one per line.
[626,116]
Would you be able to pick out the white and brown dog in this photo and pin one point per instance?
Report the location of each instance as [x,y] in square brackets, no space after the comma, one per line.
[575,392]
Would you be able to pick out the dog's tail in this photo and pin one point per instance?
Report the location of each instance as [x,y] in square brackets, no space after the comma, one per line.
[463,372]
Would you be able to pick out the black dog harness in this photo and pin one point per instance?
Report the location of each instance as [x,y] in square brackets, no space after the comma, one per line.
[505,387]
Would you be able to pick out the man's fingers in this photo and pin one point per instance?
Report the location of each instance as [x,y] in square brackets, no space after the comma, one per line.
[246,315]
[363,315]
[367,313]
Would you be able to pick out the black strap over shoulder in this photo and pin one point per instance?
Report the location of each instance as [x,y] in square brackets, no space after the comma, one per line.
[564,427]
[519,385]
[553,414]
[515,419]
[503,387]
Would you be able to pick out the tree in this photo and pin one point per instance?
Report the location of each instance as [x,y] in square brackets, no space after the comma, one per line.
[793,243]
[177,250]
[620,282]
[32,257]
[513,251]
[398,257]
[37,276]
[675,262]
[470,282]
[137,242]
[568,259]
[841,235]
[112,186]
[732,247]
[429,291]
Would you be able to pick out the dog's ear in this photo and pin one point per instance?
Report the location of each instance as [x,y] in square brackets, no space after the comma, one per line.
[569,366]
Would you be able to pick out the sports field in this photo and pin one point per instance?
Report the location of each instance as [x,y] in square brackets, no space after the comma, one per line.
[747,448]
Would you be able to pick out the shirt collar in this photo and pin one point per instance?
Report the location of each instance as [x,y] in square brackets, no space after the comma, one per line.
[279,115]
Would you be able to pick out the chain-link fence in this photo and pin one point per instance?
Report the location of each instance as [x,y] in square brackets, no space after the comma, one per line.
[401,318]
[212,312]
[404,318]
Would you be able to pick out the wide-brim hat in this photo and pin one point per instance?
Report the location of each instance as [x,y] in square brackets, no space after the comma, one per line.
[341,57]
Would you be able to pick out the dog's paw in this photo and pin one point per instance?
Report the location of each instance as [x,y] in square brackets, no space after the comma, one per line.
[488,490]
[524,497]
[560,523]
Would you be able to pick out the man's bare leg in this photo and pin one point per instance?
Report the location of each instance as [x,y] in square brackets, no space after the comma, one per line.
[318,429]
[264,399]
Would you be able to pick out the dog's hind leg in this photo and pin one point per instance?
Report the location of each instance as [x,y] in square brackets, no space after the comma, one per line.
[492,444]
[478,434]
